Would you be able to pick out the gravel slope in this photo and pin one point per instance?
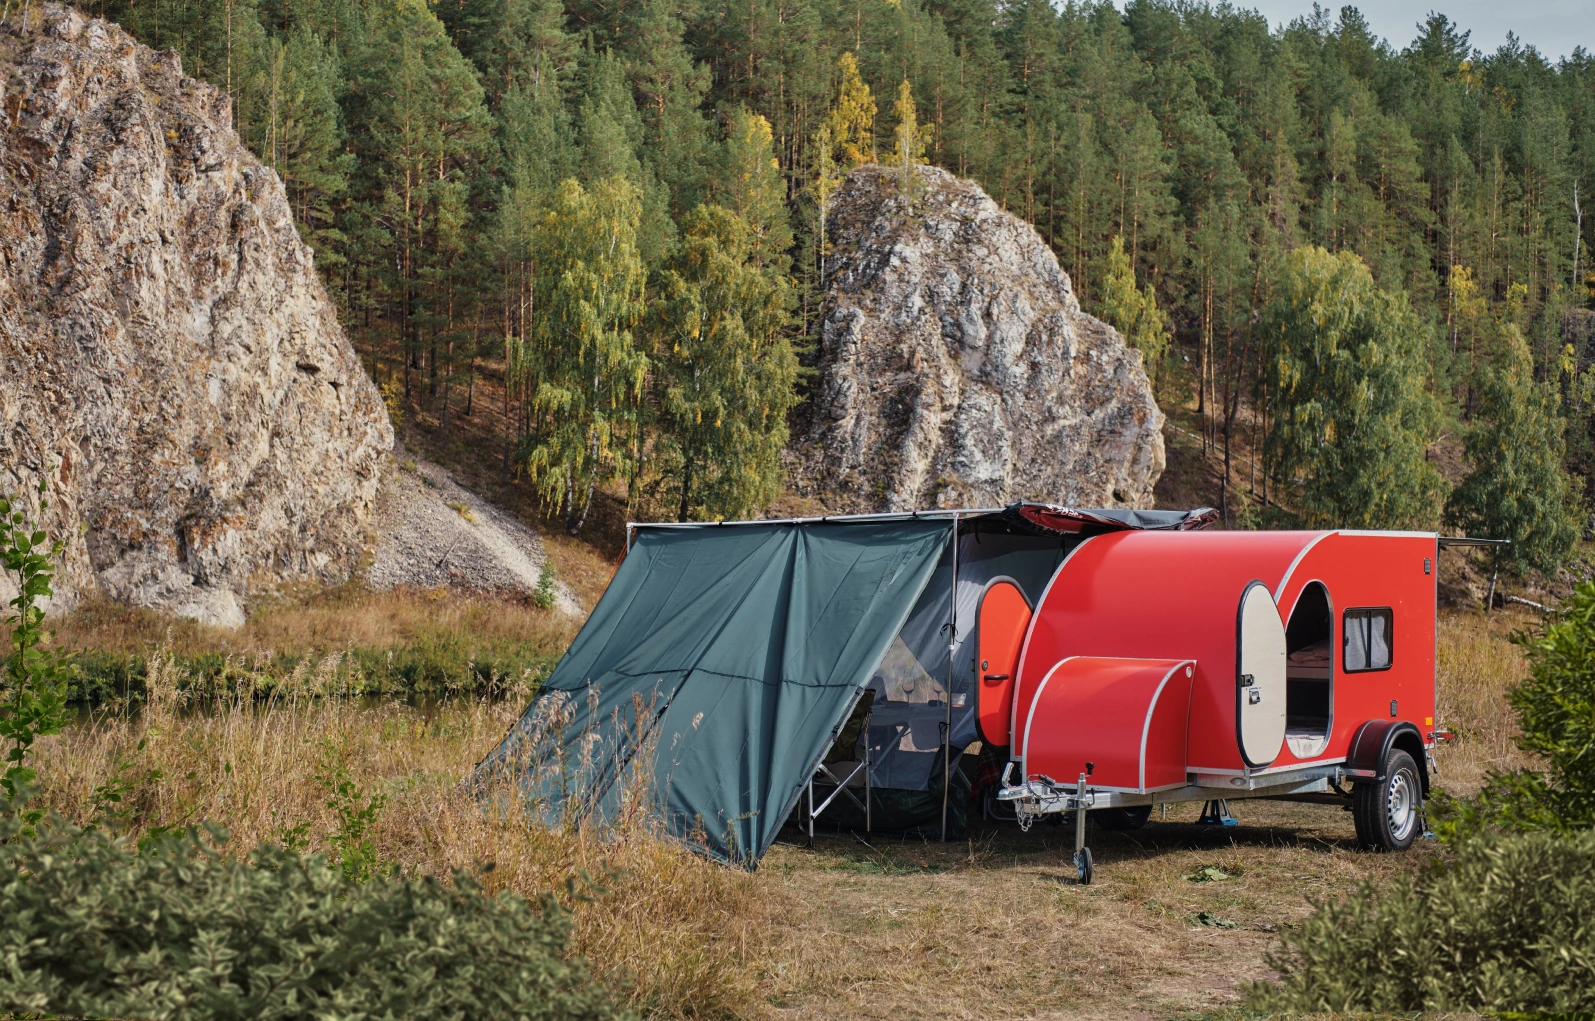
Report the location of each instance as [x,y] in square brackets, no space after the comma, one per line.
[431,532]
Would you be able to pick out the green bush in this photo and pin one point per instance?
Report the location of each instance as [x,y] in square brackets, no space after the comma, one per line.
[432,665]
[1508,926]
[90,925]
[1555,711]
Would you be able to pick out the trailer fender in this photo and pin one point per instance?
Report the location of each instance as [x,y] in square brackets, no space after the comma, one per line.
[1370,749]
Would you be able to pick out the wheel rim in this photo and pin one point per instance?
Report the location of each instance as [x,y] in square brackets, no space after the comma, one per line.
[1401,805]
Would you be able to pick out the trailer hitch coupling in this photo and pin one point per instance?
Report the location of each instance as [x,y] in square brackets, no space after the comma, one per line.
[1042,795]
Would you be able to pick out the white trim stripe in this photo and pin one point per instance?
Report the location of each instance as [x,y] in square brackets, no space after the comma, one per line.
[1024,650]
[1146,726]
[1279,590]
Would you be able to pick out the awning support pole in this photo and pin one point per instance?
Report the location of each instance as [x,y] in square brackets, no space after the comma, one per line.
[947,727]
[869,768]
[811,812]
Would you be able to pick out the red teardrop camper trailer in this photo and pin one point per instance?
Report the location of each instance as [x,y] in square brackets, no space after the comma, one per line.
[1206,666]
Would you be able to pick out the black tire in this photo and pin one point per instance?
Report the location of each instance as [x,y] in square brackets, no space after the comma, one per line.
[1131,817]
[1082,865]
[1389,814]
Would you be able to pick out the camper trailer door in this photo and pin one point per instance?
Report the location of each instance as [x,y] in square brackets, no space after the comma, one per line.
[1260,677]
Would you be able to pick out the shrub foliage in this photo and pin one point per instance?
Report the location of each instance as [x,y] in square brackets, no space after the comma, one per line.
[1507,926]
[34,678]
[91,925]
[1555,711]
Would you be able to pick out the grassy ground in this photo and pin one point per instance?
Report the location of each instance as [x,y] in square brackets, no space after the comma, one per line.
[996,926]
[349,640]
[991,926]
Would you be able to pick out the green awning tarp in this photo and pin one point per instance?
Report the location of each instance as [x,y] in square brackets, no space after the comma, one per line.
[713,672]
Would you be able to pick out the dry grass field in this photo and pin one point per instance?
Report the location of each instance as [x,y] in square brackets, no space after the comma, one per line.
[992,926]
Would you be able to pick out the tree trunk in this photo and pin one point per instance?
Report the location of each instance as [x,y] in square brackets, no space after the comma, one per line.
[578,512]
[507,428]
[686,489]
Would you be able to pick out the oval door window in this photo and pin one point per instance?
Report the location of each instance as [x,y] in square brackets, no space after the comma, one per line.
[1259,677]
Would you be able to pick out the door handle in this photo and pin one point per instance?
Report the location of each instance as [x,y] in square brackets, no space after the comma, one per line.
[996,677]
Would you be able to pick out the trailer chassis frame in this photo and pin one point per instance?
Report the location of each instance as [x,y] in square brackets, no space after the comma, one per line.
[1042,795]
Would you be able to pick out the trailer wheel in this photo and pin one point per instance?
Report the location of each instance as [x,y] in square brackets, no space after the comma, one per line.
[1082,865]
[1132,817]
[1389,813]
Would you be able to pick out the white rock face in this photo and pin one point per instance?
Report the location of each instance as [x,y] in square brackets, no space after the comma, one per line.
[957,369]
[168,358]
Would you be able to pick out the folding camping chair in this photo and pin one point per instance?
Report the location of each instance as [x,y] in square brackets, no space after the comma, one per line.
[847,738]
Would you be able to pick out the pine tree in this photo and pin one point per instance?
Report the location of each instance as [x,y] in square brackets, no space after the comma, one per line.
[1517,487]
[221,41]
[669,88]
[725,370]
[852,118]
[750,184]
[585,367]
[515,44]
[420,127]
[297,131]
[908,139]
[1350,416]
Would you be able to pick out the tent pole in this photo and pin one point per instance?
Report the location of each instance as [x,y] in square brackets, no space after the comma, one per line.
[869,767]
[811,811]
[947,725]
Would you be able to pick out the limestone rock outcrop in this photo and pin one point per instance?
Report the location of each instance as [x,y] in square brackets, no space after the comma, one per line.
[956,367]
[168,357]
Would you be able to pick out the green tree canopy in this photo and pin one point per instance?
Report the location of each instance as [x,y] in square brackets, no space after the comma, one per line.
[725,370]
[1202,141]
[1351,418]
[1516,487]
[586,370]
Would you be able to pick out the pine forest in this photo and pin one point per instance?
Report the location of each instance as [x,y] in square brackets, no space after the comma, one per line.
[1342,251]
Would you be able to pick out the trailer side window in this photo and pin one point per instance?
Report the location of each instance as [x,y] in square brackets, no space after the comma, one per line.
[1366,638]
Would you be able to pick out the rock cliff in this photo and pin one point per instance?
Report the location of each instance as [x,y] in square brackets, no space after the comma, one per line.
[168,359]
[957,369]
